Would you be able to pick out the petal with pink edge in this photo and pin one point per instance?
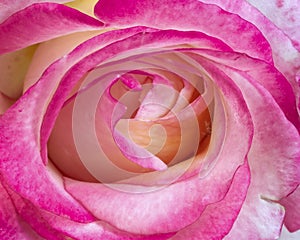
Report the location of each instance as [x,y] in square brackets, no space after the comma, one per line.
[193,194]
[22,121]
[47,20]
[275,165]
[258,219]
[284,14]
[54,227]
[8,7]
[271,179]
[187,15]
[273,81]
[292,210]
[286,56]
[217,219]
[11,225]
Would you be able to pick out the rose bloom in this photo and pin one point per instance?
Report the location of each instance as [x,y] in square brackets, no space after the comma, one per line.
[145,119]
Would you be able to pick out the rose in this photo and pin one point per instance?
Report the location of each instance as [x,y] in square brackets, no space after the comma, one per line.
[229,199]
[236,191]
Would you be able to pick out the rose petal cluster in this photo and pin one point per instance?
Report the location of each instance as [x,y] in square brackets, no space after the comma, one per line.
[243,185]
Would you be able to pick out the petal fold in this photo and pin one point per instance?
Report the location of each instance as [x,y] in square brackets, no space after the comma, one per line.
[218,218]
[11,225]
[187,15]
[292,211]
[47,21]
[7,8]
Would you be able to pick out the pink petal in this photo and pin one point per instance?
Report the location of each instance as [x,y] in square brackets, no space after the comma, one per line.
[46,22]
[187,15]
[11,225]
[53,227]
[218,218]
[274,164]
[284,14]
[181,203]
[22,122]
[8,7]
[273,81]
[155,104]
[271,179]
[292,211]
[258,219]
[142,39]
[18,136]
[286,56]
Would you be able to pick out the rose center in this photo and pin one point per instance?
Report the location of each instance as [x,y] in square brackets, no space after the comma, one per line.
[159,118]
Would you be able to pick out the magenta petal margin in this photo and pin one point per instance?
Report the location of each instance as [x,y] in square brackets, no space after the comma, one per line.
[47,21]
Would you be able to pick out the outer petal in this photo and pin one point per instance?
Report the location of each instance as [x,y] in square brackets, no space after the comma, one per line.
[22,121]
[274,165]
[11,225]
[263,114]
[47,20]
[187,15]
[54,227]
[286,56]
[218,218]
[284,14]
[273,81]
[9,7]
[291,205]
[258,219]
[271,180]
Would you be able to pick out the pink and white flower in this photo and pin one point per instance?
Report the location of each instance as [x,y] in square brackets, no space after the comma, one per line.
[136,119]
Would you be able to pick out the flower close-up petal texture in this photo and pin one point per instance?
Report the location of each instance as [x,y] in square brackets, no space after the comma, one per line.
[147,119]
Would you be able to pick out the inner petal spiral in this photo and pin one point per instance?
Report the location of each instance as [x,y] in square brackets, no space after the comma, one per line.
[160,114]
